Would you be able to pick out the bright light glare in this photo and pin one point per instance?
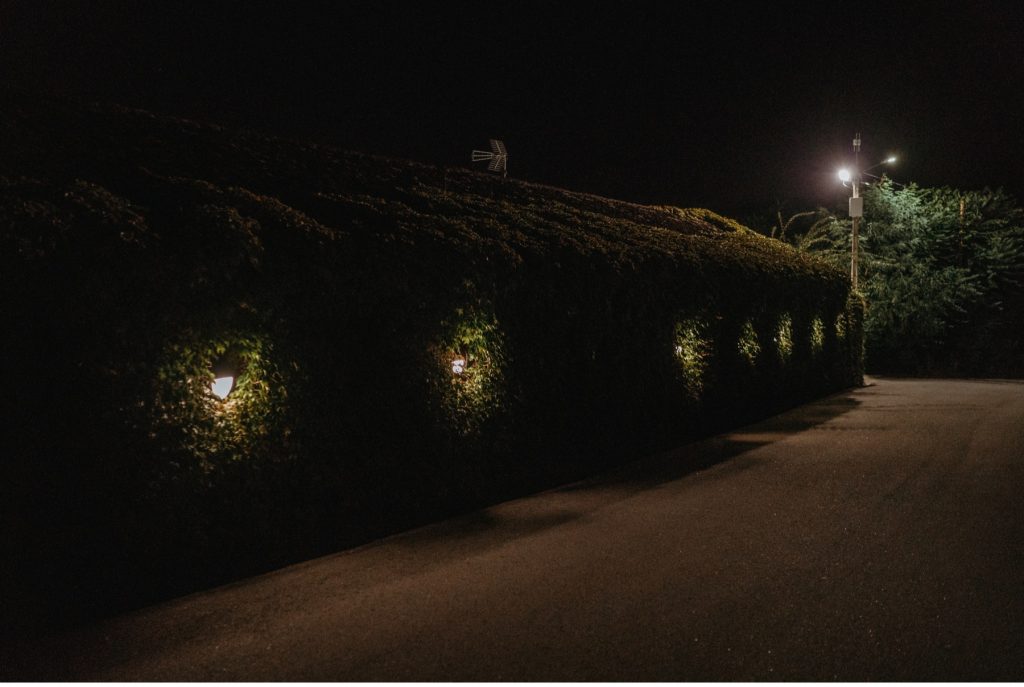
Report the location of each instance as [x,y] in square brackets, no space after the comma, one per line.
[844,175]
[222,386]
[891,159]
[459,365]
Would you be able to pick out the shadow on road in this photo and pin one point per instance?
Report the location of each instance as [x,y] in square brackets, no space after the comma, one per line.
[420,550]
[472,525]
[488,528]
[701,455]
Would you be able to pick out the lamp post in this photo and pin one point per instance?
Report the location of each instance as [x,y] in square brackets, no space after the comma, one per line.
[857,203]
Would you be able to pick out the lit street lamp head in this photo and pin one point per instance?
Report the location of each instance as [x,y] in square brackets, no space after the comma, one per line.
[845,175]
[856,202]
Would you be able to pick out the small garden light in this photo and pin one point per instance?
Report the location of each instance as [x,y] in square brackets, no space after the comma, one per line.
[222,386]
[225,372]
[459,365]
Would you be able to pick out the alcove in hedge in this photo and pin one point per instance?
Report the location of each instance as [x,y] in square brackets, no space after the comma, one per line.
[784,337]
[207,432]
[748,345]
[469,369]
[817,335]
[693,346]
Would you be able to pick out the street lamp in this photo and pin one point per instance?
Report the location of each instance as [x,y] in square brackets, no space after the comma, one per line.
[856,202]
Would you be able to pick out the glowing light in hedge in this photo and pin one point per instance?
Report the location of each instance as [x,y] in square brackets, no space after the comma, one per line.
[748,345]
[693,350]
[222,386]
[817,335]
[220,399]
[225,372]
[784,337]
[471,358]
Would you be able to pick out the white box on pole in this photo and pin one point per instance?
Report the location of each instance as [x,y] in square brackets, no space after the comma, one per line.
[856,207]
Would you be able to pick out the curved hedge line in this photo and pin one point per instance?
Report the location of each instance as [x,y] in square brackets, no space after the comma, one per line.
[408,342]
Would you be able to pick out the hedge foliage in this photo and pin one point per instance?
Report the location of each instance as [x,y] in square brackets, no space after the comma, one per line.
[408,341]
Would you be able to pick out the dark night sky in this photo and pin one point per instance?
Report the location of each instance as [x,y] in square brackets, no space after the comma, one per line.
[723,105]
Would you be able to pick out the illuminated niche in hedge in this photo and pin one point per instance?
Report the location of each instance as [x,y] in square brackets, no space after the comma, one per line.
[470,361]
[817,335]
[784,337]
[219,399]
[693,347]
[748,345]
[841,327]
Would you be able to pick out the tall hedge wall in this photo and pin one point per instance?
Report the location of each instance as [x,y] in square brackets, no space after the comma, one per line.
[408,341]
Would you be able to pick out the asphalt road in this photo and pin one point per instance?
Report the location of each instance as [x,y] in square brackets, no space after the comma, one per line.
[873,535]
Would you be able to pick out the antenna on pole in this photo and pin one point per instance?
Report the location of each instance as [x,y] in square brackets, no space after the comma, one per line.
[856,154]
[497,158]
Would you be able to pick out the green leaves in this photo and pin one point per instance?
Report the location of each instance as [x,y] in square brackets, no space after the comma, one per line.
[469,380]
[936,266]
[693,350]
[194,428]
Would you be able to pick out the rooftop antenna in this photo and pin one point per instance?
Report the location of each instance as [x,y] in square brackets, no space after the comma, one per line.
[497,158]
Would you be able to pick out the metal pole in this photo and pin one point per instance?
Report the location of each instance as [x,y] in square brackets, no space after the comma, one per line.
[854,247]
[855,212]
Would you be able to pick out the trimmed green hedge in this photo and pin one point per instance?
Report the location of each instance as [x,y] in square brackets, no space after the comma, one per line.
[408,342]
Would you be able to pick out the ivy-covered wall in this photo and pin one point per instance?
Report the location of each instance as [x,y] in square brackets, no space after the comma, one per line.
[404,342]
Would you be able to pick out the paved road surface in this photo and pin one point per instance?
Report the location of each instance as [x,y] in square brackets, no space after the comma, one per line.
[874,535]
